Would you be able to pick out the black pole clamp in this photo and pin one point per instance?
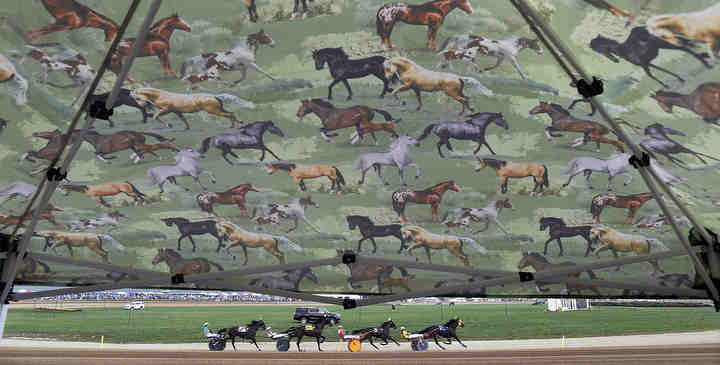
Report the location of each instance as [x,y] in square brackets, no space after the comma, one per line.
[177,279]
[349,303]
[53,174]
[526,276]
[348,257]
[589,90]
[642,161]
[98,110]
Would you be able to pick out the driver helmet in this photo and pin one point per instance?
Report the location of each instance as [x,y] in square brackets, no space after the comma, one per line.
[205,324]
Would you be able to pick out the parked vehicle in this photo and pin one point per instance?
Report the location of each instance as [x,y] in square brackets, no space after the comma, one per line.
[134,306]
[307,314]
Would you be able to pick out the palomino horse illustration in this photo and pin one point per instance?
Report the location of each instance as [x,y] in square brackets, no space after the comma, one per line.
[240,237]
[422,238]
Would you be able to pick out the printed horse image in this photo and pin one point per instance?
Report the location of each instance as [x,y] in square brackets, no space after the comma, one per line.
[240,237]
[51,151]
[16,220]
[557,229]
[342,68]
[505,171]
[380,332]
[468,55]
[431,13]
[17,189]
[242,55]
[186,164]
[64,59]
[632,202]
[249,137]
[365,272]
[124,98]
[422,238]
[414,77]
[156,44]
[540,263]
[660,142]
[310,330]
[189,229]
[389,282]
[92,241]
[432,196]
[168,102]
[562,120]
[119,141]
[28,268]
[487,214]
[295,210]
[234,195]
[252,9]
[290,280]
[98,191]
[448,331]
[369,230]
[604,5]
[703,101]
[301,172]
[9,73]
[244,333]
[613,166]
[615,241]
[70,15]
[398,156]
[474,292]
[507,47]
[179,265]
[106,219]
[472,129]
[684,29]
[358,116]
[640,49]
[658,220]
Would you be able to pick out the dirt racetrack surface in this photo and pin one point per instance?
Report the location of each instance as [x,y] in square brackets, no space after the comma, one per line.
[701,354]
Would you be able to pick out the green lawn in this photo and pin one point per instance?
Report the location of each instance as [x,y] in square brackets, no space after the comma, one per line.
[159,324]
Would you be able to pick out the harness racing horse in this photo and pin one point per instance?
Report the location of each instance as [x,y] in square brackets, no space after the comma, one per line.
[119,141]
[431,13]
[189,229]
[685,29]
[489,213]
[93,241]
[179,265]
[369,230]
[69,15]
[289,281]
[240,237]
[562,120]
[448,331]
[242,55]
[422,238]
[364,272]
[615,241]
[9,73]
[301,172]
[244,333]
[660,142]
[632,202]
[432,196]
[157,44]
[358,116]
[413,76]
[124,98]
[234,195]
[168,102]
[17,189]
[98,191]
[382,332]
[17,220]
[310,330]
[640,49]
[342,68]
[472,129]
[249,137]
[557,229]
[703,101]
[398,156]
[540,263]
[185,165]
[505,171]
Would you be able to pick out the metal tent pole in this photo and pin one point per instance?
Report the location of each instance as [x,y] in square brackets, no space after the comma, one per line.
[647,172]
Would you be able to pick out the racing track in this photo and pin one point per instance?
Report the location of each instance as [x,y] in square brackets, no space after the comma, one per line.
[693,354]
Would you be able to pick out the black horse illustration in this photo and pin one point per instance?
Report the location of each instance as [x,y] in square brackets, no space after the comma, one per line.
[661,143]
[123,98]
[189,229]
[472,129]
[369,231]
[343,68]
[558,229]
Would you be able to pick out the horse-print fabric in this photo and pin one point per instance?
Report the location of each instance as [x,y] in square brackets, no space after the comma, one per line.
[425,134]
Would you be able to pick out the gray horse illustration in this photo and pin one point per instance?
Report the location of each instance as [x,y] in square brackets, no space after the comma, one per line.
[185,165]
[398,156]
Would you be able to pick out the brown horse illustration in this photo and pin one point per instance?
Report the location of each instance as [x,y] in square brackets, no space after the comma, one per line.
[302,172]
[388,283]
[704,101]
[604,5]
[632,202]
[93,241]
[28,267]
[157,44]
[422,238]
[69,15]
[151,148]
[169,102]
[358,116]
[14,220]
[540,263]
[51,151]
[119,141]
[366,272]
[432,14]
[615,241]
[234,195]
[98,191]
[240,237]
[562,120]
[179,265]
[505,171]
[432,195]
